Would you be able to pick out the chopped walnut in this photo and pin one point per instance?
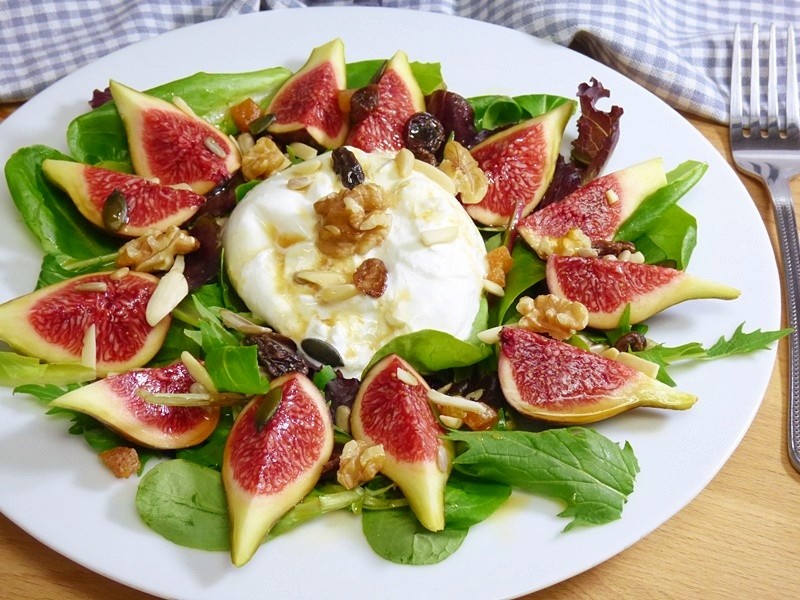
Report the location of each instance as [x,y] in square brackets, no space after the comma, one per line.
[263,159]
[156,251]
[575,243]
[557,317]
[352,221]
[370,277]
[470,180]
[359,463]
[122,461]
[500,263]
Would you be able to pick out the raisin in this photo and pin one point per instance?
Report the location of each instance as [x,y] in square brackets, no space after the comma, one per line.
[370,277]
[276,356]
[347,167]
[363,102]
[631,341]
[424,135]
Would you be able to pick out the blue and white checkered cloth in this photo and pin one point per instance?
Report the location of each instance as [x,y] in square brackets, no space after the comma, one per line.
[679,50]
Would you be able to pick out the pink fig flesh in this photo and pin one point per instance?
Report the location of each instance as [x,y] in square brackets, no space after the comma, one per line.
[553,381]
[390,411]
[53,322]
[270,464]
[115,401]
[606,287]
[149,206]
[519,163]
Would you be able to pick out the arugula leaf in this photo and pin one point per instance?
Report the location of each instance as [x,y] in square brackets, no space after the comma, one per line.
[648,214]
[48,213]
[18,370]
[99,135]
[235,369]
[591,474]
[213,333]
[496,111]
[45,393]
[398,536]
[429,351]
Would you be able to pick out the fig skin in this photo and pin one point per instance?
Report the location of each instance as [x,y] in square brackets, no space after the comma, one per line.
[114,402]
[303,115]
[156,126]
[605,287]
[534,376]
[534,146]
[286,457]
[36,324]
[415,454]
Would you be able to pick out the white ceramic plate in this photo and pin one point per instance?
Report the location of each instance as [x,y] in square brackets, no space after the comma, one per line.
[52,485]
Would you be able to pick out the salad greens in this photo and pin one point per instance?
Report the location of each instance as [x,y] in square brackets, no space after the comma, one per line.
[182,498]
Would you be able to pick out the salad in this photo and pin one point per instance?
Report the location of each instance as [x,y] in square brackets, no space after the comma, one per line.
[219,362]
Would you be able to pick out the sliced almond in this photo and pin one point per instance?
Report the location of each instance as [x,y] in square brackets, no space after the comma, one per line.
[198,372]
[493,288]
[300,182]
[338,293]
[436,175]
[307,167]
[440,235]
[490,336]
[406,377]
[405,162]
[189,400]
[302,151]
[321,278]
[89,349]
[185,108]
[169,292]
[239,323]
[451,422]
[441,399]
[342,418]
[92,286]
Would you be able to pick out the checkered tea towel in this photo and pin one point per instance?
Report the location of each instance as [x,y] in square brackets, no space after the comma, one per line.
[679,50]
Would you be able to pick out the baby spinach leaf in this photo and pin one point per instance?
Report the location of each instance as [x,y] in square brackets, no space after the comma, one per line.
[209,453]
[673,242]
[58,267]
[364,72]
[398,536]
[185,502]
[648,214]
[18,370]
[591,474]
[496,111]
[468,501]
[527,270]
[99,135]
[49,213]
[235,369]
[429,351]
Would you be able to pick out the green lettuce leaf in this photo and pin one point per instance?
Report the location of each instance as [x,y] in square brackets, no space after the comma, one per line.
[496,111]
[17,370]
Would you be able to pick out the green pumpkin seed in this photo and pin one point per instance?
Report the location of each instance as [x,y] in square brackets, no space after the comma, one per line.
[322,351]
[115,211]
[267,407]
[260,124]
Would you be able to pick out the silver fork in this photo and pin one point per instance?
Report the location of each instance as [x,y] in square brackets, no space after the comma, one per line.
[772,154]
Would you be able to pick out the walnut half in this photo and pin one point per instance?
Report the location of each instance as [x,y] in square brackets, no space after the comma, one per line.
[558,317]
[156,251]
[352,221]
[470,181]
[359,463]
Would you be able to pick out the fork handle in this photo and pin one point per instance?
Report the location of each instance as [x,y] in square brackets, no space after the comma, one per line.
[790,252]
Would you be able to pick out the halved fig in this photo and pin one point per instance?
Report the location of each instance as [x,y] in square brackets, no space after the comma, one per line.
[554,381]
[606,287]
[598,208]
[519,163]
[273,457]
[171,145]
[55,322]
[307,104]
[392,411]
[115,402]
[397,97]
[141,205]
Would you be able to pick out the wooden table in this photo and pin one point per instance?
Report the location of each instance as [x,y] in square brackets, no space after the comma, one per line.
[740,538]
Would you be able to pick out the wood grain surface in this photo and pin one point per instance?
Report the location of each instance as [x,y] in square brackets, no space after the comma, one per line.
[740,538]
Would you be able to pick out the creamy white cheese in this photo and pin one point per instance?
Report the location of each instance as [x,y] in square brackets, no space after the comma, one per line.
[271,236]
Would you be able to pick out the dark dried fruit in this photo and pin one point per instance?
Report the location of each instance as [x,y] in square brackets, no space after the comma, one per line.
[604,247]
[202,265]
[322,351]
[222,199]
[347,167]
[275,355]
[363,101]
[632,341]
[424,135]
[370,277]
[455,114]
[115,211]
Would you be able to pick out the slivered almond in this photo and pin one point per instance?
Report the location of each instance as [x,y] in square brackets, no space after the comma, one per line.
[456,402]
[436,175]
[342,418]
[92,286]
[321,278]
[440,235]
[89,349]
[307,167]
[490,336]
[171,289]
[337,293]
[406,377]
[302,151]
[198,372]
[239,323]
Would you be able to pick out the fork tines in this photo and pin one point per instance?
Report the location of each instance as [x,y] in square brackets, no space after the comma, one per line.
[752,122]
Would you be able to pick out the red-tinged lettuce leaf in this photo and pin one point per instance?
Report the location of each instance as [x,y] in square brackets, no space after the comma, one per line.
[566,179]
[598,131]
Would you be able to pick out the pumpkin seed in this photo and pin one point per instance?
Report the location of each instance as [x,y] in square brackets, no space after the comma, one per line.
[260,124]
[322,351]
[115,211]
[267,407]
